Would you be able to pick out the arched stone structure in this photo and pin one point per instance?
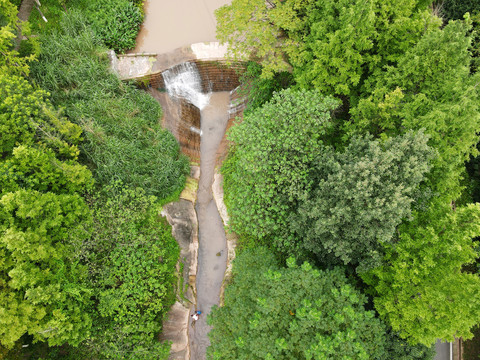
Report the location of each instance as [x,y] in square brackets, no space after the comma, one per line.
[216,75]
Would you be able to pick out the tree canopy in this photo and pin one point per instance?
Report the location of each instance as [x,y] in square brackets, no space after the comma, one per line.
[360,196]
[274,153]
[43,288]
[430,88]
[421,290]
[298,312]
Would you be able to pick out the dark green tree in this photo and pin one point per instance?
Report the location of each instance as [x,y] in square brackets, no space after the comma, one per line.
[360,196]
[293,313]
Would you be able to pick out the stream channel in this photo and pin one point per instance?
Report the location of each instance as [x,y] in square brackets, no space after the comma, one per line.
[184,82]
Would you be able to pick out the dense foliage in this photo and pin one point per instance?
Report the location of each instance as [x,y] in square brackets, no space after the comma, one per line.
[380,184]
[131,258]
[43,290]
[124,139]
[295,313]
[332,45]
[117,22]
[421,290]
[269,169]
[359,197]
[81,264]
[443,100]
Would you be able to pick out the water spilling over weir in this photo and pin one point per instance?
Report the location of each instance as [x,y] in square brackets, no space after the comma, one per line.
[183,81]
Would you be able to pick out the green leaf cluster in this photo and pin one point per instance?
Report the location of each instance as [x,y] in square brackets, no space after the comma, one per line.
[430,88]
[43,288]
[269,168]
[298,312]
[421,289]
[131,258]
[360,196]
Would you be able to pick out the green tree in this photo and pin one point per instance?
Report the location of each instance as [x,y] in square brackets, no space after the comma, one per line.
[43,288]
[131,257]
[269,167]
[421,290]
[27,117]
[360,196]
[349,42]
[430,88]
[259,29]
[40,169]
[334,46]
[293,313]
[10,61]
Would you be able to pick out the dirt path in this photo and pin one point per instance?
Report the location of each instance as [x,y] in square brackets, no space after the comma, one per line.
[212,254]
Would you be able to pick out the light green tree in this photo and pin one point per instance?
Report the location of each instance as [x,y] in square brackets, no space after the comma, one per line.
[421,290]
[27,117]
[335,46]
[43,288]
[10,61]
[295,313]
[260,29]
[430,88]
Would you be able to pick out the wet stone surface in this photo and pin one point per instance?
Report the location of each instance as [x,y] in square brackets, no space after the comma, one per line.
[212,253]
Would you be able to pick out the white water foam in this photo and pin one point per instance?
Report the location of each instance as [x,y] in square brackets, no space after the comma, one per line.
[183,81]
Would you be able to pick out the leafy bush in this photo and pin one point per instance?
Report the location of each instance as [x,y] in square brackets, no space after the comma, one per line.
[124,139]
[131,257]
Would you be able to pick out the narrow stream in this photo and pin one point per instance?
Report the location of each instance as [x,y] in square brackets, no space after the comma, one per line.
[212,254]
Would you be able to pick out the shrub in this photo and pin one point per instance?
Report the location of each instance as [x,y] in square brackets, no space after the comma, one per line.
[124,139]
[117,22]
[131,257]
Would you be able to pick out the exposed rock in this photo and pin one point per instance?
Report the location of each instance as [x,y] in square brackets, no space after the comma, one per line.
[217,190]
[182,217]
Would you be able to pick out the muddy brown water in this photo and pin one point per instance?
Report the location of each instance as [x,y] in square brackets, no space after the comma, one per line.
[170,24]
[212,253]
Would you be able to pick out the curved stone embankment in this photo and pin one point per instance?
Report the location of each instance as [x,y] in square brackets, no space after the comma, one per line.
[217,190]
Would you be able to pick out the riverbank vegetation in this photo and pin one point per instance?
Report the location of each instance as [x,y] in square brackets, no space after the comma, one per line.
[87,263]
[358,166]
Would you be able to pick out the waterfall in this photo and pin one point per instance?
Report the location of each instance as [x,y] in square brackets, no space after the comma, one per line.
[183,81]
